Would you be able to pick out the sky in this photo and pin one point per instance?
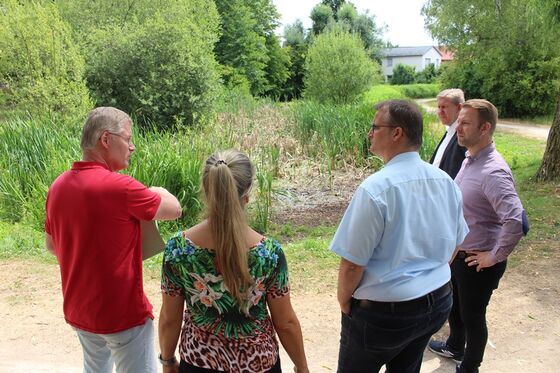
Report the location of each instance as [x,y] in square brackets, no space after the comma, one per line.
[402,17]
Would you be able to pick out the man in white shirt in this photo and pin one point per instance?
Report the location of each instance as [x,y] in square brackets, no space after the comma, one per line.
[449,155]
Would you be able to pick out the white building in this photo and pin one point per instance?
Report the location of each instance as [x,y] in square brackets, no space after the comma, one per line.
[417,57]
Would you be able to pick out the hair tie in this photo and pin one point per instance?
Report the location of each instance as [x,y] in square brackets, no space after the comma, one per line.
[221,161]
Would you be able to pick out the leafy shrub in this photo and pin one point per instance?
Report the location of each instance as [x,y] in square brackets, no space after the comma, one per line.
[419,90]
[40,66]
[403,74]
[338,68]
[153,60]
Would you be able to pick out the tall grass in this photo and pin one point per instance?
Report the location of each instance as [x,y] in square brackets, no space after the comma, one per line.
[336,132]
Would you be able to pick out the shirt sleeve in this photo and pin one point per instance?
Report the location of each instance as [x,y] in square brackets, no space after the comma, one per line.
[462,226]
[170,271]
[277,284]
[142,202]
[499,189]
[360,230]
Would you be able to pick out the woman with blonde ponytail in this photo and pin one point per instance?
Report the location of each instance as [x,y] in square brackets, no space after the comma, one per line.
[220,278]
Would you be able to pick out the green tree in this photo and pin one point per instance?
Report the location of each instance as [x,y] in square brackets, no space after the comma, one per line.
[428,75]
[334,5]
[40,65]
[249,47]
[550,165]
[296,46]
[321,16]
[277,69]
[403,74]
[338,68]
[518,69]
[152,59]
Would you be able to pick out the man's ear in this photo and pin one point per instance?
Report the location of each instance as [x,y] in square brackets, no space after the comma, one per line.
[398,132]
[104,139]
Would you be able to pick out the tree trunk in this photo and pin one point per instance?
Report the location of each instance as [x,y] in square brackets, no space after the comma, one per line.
[550,166]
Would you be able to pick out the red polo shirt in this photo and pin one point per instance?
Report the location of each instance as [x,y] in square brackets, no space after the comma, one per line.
[93,216]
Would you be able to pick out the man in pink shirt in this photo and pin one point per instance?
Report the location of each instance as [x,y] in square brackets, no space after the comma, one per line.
[92,225]
[494,215]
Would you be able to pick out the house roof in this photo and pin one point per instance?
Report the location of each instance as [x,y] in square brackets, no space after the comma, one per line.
[446,54]
[407,51]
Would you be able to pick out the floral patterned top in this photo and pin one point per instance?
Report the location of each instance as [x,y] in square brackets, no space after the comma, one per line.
[217,333]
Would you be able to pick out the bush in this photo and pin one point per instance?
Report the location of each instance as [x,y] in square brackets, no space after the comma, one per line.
[338,68]
[403,74]
[526,91]
[382,92]
[40,66]
[419,90]
[153,60]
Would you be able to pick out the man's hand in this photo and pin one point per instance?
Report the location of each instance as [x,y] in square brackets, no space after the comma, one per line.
[481,259]
[349,276]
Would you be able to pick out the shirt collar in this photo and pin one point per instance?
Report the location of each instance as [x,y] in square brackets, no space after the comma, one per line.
[483,152]
[84,165]
[403,157]
[453,127]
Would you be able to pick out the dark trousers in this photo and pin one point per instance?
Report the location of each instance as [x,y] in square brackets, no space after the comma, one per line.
[390,334]
[467,321]
[185,367]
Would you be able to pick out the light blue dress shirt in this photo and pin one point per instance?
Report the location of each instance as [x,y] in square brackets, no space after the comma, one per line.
[402,225]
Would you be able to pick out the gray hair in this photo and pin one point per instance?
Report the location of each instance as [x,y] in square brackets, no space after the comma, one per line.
[102,119]
[455,95]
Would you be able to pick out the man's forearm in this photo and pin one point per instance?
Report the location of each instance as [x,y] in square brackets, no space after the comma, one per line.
[349,276]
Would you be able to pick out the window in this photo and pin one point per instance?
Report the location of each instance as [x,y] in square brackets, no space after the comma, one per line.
[427,61]
[389,61]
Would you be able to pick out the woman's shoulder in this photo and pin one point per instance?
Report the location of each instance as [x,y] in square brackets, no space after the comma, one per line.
[178,246]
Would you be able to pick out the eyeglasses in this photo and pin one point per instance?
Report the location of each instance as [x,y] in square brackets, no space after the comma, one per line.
[127,139]
[375,127]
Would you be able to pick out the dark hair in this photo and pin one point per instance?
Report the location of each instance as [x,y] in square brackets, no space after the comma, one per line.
[404,114]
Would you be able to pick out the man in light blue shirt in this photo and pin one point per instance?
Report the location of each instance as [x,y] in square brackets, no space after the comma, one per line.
[396,240]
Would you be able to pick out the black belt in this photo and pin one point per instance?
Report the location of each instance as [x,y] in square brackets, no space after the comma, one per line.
[407,305]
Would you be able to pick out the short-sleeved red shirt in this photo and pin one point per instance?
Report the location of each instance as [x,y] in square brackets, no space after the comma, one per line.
[93,216]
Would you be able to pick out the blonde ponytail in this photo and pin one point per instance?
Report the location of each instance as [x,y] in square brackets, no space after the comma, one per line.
[227,179]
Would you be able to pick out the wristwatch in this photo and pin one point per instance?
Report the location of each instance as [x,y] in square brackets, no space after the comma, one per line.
[167,362]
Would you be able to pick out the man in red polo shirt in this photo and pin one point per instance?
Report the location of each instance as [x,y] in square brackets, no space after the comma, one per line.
[92,225]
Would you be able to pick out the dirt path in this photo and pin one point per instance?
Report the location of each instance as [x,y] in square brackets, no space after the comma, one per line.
[524,322]
[534,131]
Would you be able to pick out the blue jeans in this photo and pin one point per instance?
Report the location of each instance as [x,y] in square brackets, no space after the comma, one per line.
[132,350]
[392,336]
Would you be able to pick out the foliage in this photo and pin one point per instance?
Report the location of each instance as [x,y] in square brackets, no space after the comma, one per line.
[517,70]
[382,92]
[335,6]
[338,68]
[277,69]
[40,65]
[321,15]
[419,90]
[428,75]
[337,132]
[403,74]
[296,48]
[151,59]
[248,44]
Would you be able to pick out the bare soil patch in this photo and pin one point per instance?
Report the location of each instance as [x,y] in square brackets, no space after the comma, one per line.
[524,322]
[523,317]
